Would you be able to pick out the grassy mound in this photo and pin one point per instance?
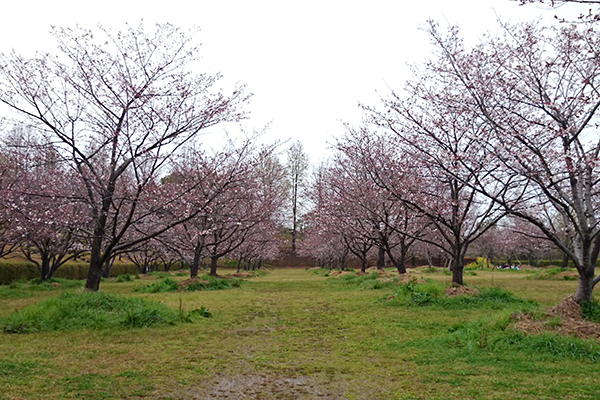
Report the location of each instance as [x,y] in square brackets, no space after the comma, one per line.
[372,281]
[433,294]
[556,273]
[205,282]
[17,290]
[89,310]
[475,339]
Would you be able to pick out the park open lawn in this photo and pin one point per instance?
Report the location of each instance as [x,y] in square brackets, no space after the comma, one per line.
[298,334]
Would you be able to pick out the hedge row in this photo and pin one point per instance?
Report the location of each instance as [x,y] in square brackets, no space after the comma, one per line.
[10,272]
[543,263]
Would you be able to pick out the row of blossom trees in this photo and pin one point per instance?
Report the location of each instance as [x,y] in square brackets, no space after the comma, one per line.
[507,127]
[204,206]
[113,163]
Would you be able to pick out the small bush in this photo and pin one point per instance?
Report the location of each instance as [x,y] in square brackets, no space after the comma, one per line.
[214,283]
[89,310]
[166,285]
[124,278]
[201,312]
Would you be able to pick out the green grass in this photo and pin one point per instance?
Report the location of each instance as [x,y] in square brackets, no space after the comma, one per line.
[296,334]
[362,282]
[208,283]
[432,294]
[89,310]
[165,285]
[567,274]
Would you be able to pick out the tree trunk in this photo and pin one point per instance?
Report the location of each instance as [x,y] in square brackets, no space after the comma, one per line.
[96,263]
[343,262]
[195,267]
[213,265]
[364,264]
[565,261]
[457,271]
[46,272]
[585,286]
[295,217]
[95,271]
[107,266]
[399,264]
[381,257]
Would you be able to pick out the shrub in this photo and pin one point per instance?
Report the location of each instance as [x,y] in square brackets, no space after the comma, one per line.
[214,283]
[166,285]
[124,278]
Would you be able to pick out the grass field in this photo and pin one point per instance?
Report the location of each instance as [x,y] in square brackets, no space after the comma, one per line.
[297,334]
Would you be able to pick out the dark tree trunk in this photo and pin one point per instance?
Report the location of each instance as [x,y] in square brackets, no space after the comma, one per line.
[96,261]
[399,264]
[364,263]
[107,266]
[46,271]
[213,265]
[195,267]
[565,261]
[457,271]
[95,271]
[585,286]
[381,257]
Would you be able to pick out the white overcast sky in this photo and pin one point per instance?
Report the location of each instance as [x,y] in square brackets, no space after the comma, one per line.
[308,63]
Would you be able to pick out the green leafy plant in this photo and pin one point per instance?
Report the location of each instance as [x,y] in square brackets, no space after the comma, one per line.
[124,278]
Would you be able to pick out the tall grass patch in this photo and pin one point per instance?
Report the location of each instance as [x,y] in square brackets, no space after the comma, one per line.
[89,310]
[432,294]
[370,281]
[478,341]
[205,282]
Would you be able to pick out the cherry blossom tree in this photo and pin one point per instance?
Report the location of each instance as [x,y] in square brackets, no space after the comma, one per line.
[588,14]
[414,158]
[117,106]
[43,205]
[204,180]
[536,90]
[394,226]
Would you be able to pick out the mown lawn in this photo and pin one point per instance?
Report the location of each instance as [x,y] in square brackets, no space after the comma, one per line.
[296,334]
